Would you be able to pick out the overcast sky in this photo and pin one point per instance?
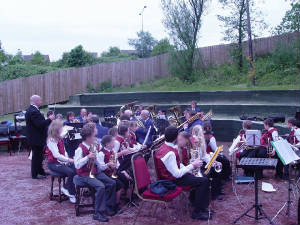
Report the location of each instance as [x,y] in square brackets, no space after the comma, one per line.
[56,26]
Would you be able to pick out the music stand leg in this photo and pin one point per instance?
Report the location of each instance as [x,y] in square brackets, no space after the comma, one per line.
[256,205]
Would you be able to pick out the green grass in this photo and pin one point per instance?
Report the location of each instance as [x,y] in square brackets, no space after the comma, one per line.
[11,115]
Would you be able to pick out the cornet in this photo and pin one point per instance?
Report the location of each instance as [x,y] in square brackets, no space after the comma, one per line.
[91,162]
[113,159]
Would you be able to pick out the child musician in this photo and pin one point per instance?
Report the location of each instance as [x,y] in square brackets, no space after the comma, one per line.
[58,160]
[271,134]
[294,135]
[85,162]
[184,147]
[199,144]
[211,147]
[168,167]
[107,159]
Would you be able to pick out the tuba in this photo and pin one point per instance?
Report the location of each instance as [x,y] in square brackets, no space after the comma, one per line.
[176,115]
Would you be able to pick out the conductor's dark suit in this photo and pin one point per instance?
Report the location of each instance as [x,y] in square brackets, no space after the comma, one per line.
[36,136]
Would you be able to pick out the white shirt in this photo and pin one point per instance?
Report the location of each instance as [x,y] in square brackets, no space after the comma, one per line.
[80,161]
[275,134]
[169,160]
[117,146]
[52,145]
[35,107]
[100,160]
[213,144]
[296,133]
[204,157]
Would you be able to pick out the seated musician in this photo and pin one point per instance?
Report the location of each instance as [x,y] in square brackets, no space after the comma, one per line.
[211,147]
[109,164]
[128,113]
[70,118]
[83,116]
[271,134]
[102,131]
[162,115]
[194,107]
[85,163]
[139,110]
[184,147]
[198,143]
[58,160]
[294,136]
[142,132]
[123,118]
[168,167]
[188,113]
[122,148]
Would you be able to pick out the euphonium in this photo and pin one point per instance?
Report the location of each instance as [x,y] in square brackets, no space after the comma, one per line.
[194,155]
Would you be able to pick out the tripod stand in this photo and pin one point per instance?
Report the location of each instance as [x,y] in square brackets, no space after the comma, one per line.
[256,164]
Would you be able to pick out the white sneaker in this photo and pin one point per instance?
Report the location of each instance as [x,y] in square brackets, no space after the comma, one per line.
[72,199]
[65,191]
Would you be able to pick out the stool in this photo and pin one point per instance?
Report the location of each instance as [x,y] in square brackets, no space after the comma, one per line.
[60,197]
[80,192]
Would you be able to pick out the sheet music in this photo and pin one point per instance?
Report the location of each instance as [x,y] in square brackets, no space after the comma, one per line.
[253,137]
[285,151]
[65,130]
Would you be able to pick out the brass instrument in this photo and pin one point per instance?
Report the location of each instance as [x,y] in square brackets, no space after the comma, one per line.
[211,163]
[151,110]
[194,155]
[207,116]
[113,159]
[175,118]
[130,106]
[139,122]
[91,162]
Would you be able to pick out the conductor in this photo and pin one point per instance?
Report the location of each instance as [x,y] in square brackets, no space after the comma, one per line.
[36,135]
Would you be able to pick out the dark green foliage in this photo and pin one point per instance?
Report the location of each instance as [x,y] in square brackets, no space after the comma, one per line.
[10,72]
[163,46]
[291,20]
[105,86]
[38,59]
[112,51]
[143,44]
[77,57]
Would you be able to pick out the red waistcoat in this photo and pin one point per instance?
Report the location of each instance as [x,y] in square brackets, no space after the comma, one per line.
[84,171]
[208,148]
[291,138]
[132,139]
[161,170]
[61,149]
[185,156]
[267,137]
[107,155]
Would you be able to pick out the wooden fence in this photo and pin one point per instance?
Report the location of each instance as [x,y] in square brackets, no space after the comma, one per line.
[57,86]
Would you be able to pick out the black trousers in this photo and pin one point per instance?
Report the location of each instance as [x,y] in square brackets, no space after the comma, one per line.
[226,168]
[37,161]
[199,196]
[67,170]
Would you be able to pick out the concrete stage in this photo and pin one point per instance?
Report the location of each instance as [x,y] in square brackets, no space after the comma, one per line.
[227,106]
[25,201]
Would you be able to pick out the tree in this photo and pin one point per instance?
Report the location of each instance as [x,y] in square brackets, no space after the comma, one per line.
[235,25]
[183,21]
[77,57]
[290,21]
[38,59]
[163,46]
[112,51]
[2,55]
[143,44]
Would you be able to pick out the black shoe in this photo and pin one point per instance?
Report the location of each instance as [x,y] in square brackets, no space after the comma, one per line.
[110,212]
[200,215]
[39,176]
[100,217]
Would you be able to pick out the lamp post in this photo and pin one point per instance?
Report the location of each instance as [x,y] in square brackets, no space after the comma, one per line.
[142,14]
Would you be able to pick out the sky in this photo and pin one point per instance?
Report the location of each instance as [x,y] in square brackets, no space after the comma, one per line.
[57,26]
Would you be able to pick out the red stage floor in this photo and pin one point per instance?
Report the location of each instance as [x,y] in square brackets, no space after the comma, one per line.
[26,201]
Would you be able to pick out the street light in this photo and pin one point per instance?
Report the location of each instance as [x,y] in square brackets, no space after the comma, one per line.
[142,14]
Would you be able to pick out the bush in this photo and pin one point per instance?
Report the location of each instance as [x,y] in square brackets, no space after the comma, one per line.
[105,86]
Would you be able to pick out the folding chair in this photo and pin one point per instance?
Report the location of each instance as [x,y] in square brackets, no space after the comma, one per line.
[142,182]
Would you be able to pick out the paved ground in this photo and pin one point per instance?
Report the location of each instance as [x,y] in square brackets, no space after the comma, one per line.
[26,201]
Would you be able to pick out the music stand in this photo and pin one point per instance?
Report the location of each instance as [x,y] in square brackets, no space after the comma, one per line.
[256,164]
[253,137]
